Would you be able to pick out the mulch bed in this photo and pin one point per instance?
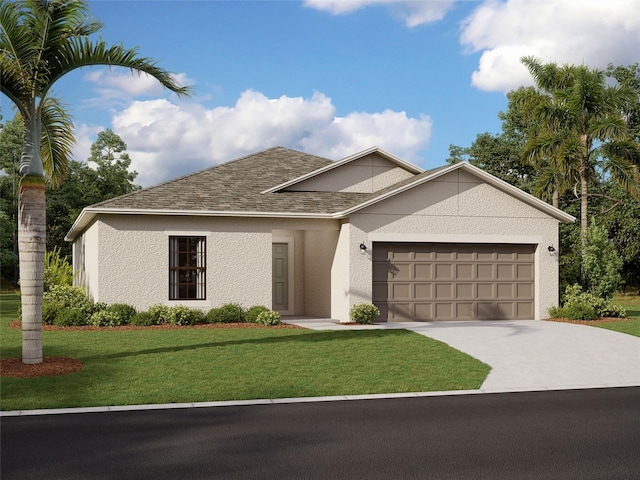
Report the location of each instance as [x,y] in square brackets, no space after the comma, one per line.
[50,367]
[590,322]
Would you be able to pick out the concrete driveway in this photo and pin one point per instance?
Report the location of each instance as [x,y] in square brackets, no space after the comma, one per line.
[531,355]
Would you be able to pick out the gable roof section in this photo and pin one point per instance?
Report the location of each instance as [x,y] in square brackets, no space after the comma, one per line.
[244,188]
[399,162]
[478,172]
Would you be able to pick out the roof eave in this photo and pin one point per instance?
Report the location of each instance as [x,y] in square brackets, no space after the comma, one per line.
[88,214]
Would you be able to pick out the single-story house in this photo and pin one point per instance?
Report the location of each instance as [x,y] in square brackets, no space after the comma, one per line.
[305,235]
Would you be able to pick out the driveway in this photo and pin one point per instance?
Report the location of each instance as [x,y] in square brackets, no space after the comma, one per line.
[531,355]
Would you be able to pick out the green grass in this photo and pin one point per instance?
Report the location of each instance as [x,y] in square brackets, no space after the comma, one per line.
[167,366]
[632,304]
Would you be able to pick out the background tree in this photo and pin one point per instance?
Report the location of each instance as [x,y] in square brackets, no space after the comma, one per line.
[85,186]
[40,42]
[582,131]
[10,150]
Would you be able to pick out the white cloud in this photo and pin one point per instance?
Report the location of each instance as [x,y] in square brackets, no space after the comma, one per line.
[166,139]
[412,12]
[592,32]
[119,85]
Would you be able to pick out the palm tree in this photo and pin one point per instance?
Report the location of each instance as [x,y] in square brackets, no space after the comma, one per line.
[40,42]
[582,134]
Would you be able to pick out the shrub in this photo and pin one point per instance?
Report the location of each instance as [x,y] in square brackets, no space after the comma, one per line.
[602,263]
[61,296]
[252,314]
[143,319]
[268,318]
[181,315]
[364,313]
[70,317]
[124,312]
[579,311]
[50,309]
[160,314]
[229,313]
[57,270]
[579,305]
[105,318]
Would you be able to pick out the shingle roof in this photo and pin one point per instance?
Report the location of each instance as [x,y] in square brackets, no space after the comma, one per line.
[236,186]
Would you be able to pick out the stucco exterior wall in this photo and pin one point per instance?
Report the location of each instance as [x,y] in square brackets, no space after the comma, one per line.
[132,252]
[454,210]
[365,175]
[85,261]
[319,249]
[340,288]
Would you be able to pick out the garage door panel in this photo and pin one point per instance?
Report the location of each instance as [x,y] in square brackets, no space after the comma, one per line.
[444,271]
[465,291]
[423,290]
[426,281]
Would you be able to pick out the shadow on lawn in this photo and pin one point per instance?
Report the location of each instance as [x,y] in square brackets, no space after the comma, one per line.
[314,337]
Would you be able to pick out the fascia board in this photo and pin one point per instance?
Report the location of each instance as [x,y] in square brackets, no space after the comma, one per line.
[88,214]
[401,163]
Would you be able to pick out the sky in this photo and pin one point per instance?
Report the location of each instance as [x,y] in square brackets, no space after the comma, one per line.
[327,77]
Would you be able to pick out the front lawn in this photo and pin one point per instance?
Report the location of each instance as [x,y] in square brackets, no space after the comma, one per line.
[632,304]
[192,365]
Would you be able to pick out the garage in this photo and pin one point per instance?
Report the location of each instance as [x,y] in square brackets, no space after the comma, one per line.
[453,281]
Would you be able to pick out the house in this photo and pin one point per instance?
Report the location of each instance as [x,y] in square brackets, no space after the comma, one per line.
[310,236]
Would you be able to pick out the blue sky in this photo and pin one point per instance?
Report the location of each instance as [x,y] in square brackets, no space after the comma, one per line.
[330,77]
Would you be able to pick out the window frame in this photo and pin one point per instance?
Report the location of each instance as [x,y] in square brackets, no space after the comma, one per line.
[175,268]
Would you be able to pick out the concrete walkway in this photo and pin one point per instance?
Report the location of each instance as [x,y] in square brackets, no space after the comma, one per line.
[530,355]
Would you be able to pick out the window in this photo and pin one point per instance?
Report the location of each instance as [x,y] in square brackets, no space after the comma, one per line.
[187,268]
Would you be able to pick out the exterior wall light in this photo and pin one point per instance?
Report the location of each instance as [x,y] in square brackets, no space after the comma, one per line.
[363,247]
[551,249]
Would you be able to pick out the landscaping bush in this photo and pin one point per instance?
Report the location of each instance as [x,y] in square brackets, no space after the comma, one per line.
[181,315]
[65,296]
[57,270]
[252,314]
[579,311]
[602,263]
[579,305]
[123,311]
[50,309]
[364,313]
[229,313]
[268,318]
[70,317]
[143,319]
[160,314]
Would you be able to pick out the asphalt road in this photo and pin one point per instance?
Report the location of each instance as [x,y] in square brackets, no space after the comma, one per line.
[578,434]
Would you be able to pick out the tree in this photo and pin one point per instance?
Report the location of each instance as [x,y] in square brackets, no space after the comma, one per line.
[11,139]
[113,162]
[85,186]
[582,132]
[500,154]
[40,42]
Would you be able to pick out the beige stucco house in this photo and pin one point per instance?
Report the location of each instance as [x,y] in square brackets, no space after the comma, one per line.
[309,236]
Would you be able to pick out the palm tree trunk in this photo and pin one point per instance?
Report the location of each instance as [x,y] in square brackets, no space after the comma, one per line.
[31,245]
[555,198]
[584,225]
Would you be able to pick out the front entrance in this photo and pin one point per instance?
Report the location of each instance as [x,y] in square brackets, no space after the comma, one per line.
[280,277]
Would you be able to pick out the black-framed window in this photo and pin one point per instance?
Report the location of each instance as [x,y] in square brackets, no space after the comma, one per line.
[187,268]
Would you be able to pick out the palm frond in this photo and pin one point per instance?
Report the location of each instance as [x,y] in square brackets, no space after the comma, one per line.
[57,139]
[82,52]
[625,174]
